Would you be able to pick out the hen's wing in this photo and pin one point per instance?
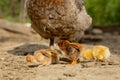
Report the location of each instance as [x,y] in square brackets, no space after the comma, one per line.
[51,19]
[83,20]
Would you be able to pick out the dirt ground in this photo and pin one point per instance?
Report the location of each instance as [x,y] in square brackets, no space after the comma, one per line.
[14,47]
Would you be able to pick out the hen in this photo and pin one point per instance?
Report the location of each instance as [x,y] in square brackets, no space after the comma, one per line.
[72,50]
[58,18]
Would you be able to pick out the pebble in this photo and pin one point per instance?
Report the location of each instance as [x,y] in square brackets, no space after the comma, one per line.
[69,74]
[97,31]
[114,63]
[2,59]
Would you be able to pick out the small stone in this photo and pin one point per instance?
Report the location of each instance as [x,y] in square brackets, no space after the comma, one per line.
[11,78]
[2,59]
[62,79]
[97,31]
[114,63]
[69,74]
[107,34]
[89,64]
[115,33]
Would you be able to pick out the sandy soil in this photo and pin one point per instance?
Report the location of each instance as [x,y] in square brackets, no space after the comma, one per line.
[14,47]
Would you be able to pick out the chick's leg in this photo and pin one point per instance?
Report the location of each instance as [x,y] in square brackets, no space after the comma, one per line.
[51,45]
[73,62]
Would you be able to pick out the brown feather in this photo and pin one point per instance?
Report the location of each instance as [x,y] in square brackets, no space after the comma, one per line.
[58,18]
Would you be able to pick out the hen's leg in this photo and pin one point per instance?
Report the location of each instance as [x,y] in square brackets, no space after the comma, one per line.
[51,43]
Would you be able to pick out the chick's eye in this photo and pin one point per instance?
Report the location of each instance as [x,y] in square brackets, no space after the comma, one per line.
[62,44]
[77,49]
[69,48]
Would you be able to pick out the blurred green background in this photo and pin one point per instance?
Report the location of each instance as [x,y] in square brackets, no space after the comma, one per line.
[102,11]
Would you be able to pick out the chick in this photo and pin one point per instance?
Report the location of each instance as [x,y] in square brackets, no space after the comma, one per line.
[43,57]
[71,50]
[31,58]
[87,55]
[58,18]
[97,53]
[101,53]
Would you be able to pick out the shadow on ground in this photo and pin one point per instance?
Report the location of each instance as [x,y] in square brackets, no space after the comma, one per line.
[27,48]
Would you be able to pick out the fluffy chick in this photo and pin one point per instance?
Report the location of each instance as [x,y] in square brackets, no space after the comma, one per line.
[43,57]
[71,50]
[97,53]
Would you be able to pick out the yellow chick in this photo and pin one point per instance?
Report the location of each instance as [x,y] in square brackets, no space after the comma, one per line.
[31,58]
[43,57]
[97,53]
[87,55]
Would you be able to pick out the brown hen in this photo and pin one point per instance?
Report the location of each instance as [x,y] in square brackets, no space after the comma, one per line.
[58,18]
